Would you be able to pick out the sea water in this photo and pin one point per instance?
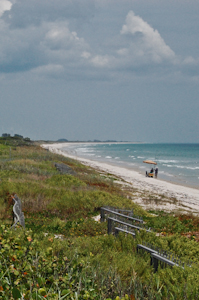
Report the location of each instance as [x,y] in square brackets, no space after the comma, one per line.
[177,163]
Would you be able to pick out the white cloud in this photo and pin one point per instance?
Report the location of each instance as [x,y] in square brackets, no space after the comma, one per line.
[4,6]
[62,46]
[49,69]
[146,42]
[86,54]
[190,61]
[100,61]
[59,36]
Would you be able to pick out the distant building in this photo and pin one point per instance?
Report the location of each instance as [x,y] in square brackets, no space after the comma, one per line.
[5,135]
[18,136]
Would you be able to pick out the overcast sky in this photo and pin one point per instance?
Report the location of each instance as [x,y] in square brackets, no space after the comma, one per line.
[100,69]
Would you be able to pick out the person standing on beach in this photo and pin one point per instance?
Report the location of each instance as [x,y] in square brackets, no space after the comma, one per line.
[156,172]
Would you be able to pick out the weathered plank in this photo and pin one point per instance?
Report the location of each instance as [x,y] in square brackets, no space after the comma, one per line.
[18,214]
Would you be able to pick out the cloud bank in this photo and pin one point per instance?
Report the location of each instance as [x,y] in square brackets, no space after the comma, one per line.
[38,36]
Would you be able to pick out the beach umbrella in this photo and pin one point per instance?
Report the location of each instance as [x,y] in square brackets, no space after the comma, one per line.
[149,162]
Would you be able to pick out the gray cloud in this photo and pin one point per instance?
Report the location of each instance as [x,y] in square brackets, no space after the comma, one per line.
[42,37]
[33,12]
[19,49]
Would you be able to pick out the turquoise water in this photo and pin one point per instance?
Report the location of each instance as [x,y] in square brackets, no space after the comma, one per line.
[177,163]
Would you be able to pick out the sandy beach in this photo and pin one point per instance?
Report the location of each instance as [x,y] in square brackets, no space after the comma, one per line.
[150,193]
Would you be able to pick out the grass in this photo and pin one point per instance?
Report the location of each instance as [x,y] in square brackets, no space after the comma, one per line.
[83,262]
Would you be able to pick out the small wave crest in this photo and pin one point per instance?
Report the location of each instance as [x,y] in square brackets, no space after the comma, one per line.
[85,150]
[181,167]
[166,174]
[166,161]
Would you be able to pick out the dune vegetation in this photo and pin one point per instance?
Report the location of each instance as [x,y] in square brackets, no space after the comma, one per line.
[63,253]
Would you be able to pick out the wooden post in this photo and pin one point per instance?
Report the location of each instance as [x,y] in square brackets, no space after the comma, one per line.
[109,226]
[18,214]
[102,214]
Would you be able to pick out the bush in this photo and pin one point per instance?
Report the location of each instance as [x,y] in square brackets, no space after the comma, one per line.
[67,181]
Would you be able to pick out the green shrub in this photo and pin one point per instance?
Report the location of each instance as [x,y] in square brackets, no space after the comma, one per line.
[86,201]
[65,181]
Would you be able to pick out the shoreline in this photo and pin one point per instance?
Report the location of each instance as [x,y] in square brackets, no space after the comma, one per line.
[164,174]
[151,194]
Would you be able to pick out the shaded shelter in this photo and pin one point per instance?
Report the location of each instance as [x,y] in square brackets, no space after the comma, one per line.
[150,174]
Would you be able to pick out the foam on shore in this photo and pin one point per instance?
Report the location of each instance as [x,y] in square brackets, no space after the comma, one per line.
[187,198]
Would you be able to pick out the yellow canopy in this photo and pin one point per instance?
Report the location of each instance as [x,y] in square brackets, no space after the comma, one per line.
[150,162]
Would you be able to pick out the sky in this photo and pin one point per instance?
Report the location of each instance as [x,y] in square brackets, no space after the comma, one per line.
[125,70]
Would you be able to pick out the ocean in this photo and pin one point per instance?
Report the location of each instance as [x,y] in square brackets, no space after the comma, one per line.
[177,163]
